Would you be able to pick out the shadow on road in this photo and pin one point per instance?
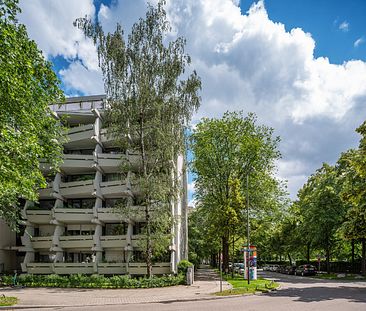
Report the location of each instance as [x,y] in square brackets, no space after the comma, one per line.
[319,293]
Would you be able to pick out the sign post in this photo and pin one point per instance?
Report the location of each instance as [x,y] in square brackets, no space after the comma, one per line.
[250,260]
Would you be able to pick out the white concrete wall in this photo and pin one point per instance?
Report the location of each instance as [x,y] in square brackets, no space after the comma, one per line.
[7,239]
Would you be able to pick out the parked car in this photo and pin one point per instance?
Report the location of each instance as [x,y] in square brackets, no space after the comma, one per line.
[275,268]
[305,270]
[239,267]
[281,269]
[290,270]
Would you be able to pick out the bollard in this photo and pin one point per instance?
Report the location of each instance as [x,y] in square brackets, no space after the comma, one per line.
[190,275]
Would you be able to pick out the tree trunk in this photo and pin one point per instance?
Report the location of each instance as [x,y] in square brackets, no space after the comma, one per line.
[353,256]
[225,254]
[148,244]
[289,258]
[233,259]
[328,258]
[363,265]
[213,260]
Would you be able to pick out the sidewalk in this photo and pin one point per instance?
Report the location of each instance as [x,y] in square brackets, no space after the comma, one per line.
[206,283]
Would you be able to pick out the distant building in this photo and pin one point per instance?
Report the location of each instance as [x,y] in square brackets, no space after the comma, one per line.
[72,229]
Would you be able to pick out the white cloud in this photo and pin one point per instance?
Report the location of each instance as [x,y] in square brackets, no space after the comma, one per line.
[78,77]
[246,62]
[191,187]
[358,42]
[344,26]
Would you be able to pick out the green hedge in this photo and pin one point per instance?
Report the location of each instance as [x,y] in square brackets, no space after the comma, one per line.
[183,265]
[93,281]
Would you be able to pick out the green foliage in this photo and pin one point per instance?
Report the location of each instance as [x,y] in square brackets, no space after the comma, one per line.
[183,265]
[94,281]
[151,104]
[241,286]
[225,151]
[8,301]
[28,131]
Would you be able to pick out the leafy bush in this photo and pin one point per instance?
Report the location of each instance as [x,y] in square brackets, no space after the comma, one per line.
[93,281]
[183,265]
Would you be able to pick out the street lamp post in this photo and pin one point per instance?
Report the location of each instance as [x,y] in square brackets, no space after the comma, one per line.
[248,231]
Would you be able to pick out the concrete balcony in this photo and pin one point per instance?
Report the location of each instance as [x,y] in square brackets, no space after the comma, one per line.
[73,268]
[135,240]
[77,241]
[110,163]
[80,137]
[107,139]
[107,215]
[77,164]
[114,189]
[39,268]
[42,242]
[38,216]
[80,104]
[137,268]
[113,241]
[46,193]
[77,189]
[74,215]
[112,268]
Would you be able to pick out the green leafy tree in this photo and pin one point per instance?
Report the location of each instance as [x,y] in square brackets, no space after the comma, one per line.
[150,105]
[354,193]
[322,209]
[28,131]
[225,151]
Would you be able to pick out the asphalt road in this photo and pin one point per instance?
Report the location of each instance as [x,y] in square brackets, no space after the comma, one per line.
[296,293]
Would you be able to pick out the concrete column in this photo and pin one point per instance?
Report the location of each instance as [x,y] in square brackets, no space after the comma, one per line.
[55,247]
[28,248]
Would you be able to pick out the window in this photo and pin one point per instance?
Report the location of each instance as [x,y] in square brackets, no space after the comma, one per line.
[82,177]
[80,203]
[112,150]
[112,177]
[138,256]
[44,204]
[80,151]
[110,203]
[139,227]
[116,229]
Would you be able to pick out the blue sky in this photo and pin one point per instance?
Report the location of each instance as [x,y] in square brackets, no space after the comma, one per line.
[299,65]
[323,18]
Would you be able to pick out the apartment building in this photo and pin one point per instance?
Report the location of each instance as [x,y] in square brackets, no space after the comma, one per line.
[73,227]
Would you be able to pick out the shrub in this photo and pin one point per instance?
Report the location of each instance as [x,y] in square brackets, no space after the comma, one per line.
[183,265]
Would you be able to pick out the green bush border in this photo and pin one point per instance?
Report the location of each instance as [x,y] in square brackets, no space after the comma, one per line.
[6,301]
[94,281]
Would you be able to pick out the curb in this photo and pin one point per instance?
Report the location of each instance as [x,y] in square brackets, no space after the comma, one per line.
[24,307]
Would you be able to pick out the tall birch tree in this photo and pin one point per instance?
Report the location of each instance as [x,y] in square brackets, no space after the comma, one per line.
[151,99]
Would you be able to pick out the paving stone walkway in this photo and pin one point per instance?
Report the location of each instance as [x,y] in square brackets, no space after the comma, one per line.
[206,283]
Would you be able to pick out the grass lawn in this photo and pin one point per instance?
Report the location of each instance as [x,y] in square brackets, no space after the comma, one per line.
[334,276]
[7,301]
[240,286]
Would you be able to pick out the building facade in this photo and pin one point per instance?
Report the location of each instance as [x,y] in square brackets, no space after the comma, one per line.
[73,227]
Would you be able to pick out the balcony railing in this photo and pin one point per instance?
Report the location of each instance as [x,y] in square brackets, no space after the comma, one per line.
[85,103]
[44,242]
[114,189]
[111,268]
[138,268]
[76,241]
[73,268]
[113,241]
[74,215]
[77,189]
[38,216]
[39,268]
